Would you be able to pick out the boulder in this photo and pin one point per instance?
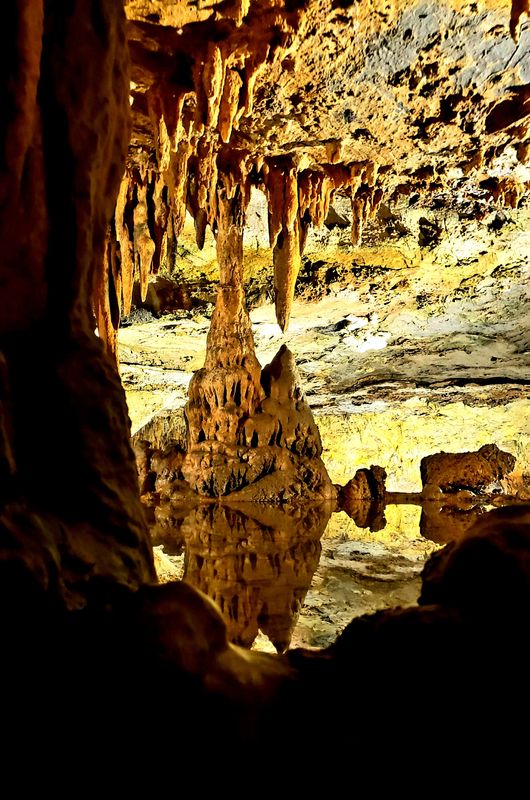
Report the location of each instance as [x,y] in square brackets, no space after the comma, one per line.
[480,471]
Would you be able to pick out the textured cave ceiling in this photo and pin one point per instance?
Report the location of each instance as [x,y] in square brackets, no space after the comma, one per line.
[308,101]
[434,94]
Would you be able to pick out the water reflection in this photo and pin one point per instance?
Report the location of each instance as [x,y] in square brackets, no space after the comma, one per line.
[255,561]
[367,513]
[442,521]
[449,522]
[258,562]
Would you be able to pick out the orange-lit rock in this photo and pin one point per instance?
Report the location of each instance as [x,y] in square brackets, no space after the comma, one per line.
[481,471]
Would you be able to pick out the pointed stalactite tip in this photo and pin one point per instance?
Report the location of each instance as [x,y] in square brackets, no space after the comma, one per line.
[283,320]
[519,7]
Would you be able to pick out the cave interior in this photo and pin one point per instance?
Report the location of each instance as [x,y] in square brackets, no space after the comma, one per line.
[264,268]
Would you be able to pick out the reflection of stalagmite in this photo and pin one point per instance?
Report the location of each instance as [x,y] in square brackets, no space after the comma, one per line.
[256,563]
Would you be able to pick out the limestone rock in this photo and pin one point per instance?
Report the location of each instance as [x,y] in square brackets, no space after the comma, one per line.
[363,498]
[480,471]
[366,484]
[269,454]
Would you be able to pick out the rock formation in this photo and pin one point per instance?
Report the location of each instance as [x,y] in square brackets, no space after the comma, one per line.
[70,516]
[250,431]
[366,484]
[87,639]
[363,498]
[480,472]
[269,455]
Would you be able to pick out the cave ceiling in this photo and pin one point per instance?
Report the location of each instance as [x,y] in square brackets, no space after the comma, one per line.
[432,96]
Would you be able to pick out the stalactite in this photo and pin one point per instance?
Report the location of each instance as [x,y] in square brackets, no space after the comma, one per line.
[286,262]
[115,279]
[106,301]
[161,212]
[206,178]
[506,190]
[235,166]
[178,182]
[144,245]
[315,191]
[519,7]
[212,83]
[281,182]
[125,237]
[357,210]
[229,103]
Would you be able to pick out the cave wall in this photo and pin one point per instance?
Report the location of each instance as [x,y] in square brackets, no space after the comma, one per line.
[70,516]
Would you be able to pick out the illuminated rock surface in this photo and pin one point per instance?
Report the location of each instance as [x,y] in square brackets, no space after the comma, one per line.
[401,349]
[324,106]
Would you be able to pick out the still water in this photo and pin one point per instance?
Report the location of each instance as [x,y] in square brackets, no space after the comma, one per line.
[296,578]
